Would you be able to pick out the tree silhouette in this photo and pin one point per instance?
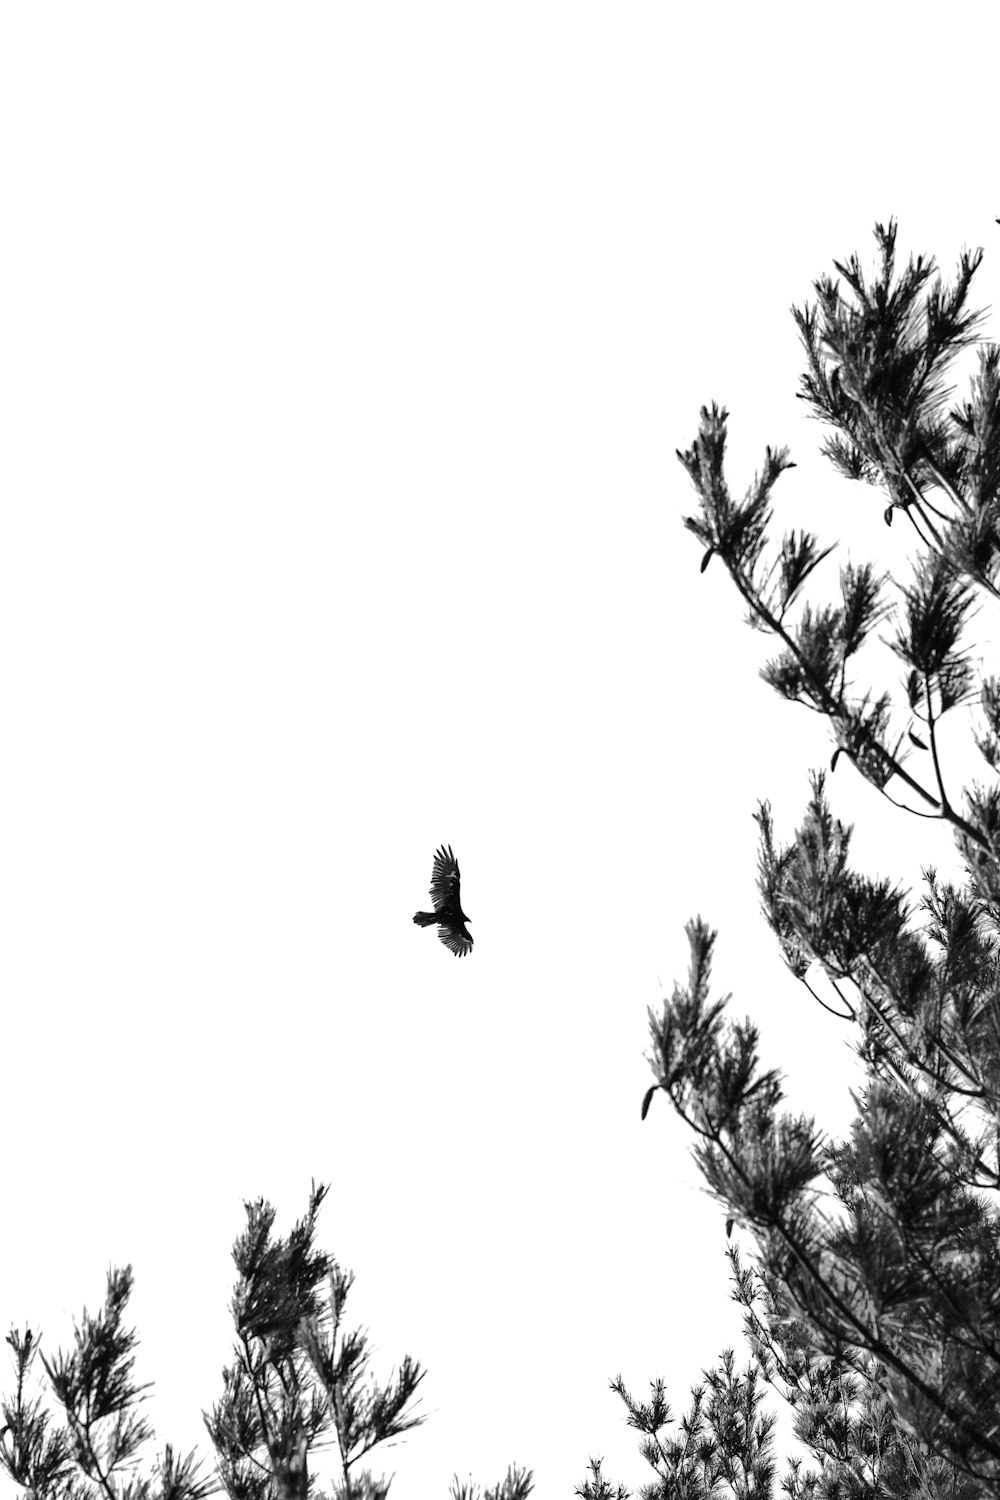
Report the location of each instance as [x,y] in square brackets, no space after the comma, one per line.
[298,1384]
[877,1311]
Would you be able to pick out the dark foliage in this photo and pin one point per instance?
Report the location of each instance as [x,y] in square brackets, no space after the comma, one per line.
[298,1385]
[874,1309]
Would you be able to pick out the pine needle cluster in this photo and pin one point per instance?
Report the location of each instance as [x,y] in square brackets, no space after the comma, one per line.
[298,1386]
[874,1304]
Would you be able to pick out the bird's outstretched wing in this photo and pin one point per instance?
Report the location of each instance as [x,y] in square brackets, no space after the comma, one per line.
[458,939]
[444,879]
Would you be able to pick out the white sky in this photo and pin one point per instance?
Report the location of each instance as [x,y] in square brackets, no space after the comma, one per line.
[344,354]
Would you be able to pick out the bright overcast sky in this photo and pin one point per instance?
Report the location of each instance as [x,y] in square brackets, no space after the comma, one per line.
[344,353]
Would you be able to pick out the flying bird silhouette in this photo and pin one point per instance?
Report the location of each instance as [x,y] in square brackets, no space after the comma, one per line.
[448,913]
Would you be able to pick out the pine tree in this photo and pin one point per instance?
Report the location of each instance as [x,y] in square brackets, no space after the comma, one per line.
[875,1303]
[298,1383]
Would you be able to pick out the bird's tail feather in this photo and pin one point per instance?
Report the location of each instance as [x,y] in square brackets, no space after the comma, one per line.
[424,918]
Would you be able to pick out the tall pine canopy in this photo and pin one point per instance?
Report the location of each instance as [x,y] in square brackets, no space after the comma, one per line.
[874,1306]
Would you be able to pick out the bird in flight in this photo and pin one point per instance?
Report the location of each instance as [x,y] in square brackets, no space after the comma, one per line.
[447,911]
